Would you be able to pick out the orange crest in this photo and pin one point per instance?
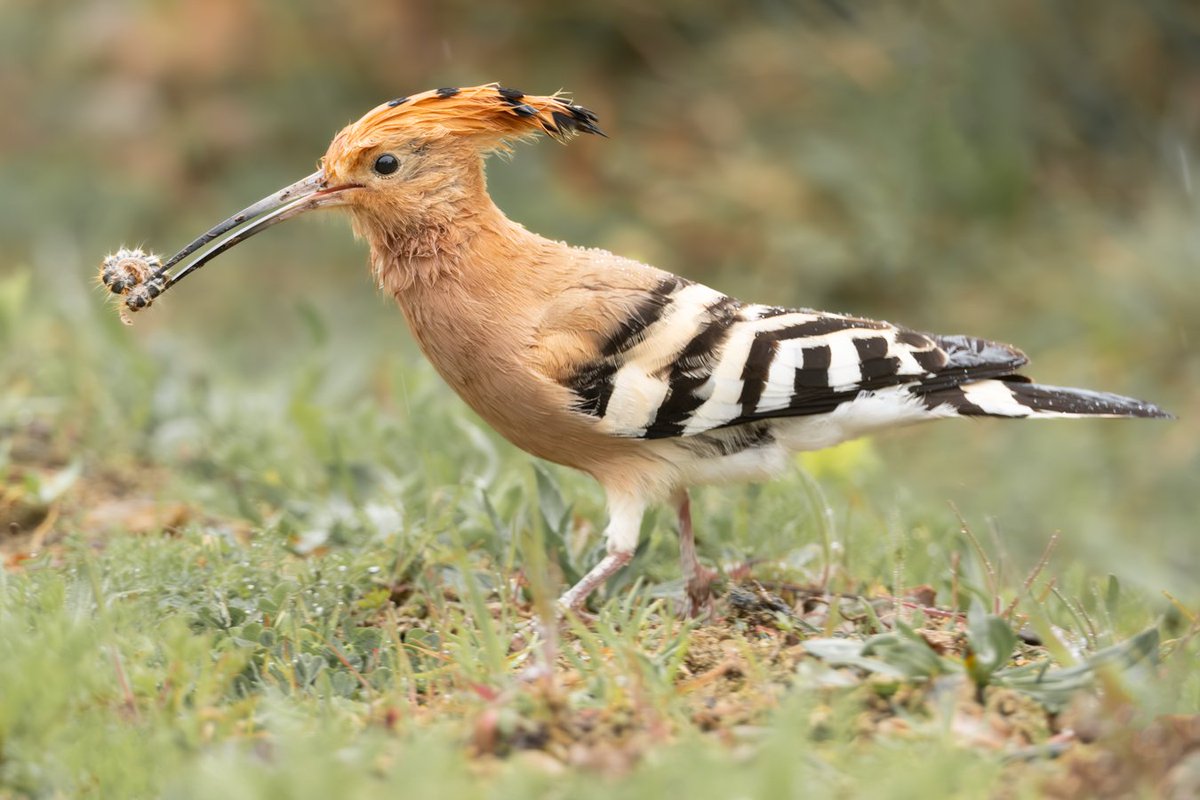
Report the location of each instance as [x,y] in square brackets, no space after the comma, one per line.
[490,114]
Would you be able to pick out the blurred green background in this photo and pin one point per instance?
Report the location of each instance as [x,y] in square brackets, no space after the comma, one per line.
[1025,171]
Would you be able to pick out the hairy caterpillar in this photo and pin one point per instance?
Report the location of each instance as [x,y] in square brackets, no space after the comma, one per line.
[136,276]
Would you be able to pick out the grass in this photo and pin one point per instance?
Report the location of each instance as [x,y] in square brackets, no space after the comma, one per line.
[225,582]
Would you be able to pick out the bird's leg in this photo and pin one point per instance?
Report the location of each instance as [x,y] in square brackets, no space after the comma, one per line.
[624,527]
[574,598]
[697,579]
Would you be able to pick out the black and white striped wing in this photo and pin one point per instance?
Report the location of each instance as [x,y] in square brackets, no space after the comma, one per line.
[689,359]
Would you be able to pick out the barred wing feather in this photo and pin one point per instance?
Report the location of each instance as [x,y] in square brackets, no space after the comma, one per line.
[689,359]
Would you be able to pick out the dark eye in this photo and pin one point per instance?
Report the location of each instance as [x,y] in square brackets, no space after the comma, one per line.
[386,164]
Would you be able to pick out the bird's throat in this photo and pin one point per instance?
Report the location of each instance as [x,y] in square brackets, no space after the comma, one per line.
[438,245]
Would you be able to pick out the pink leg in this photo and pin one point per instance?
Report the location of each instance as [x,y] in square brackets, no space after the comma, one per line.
[574,598]
[624,524]
[697,579]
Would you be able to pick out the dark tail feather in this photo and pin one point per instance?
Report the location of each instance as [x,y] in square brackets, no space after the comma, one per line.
[1055,400]
[1002,398]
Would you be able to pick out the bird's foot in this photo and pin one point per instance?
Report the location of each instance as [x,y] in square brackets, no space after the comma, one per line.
[574,599]
[697,593]
[578,612]
[542,628]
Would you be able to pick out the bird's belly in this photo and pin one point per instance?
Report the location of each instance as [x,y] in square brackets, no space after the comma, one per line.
[865,414]
[737,454]
[761,451]
[760,463]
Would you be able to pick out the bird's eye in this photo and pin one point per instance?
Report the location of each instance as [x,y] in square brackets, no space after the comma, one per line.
[386,164]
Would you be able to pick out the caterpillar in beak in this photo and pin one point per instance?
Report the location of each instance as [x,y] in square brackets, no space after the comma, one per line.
[136,276]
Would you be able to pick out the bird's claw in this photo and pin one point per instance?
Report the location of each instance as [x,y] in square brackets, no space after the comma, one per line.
[697,594]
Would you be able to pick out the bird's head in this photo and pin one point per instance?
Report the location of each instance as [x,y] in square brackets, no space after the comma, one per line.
[408,170]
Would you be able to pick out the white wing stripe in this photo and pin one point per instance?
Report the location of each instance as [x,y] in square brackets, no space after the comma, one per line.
[845,371]
[994,397]
[635,399]
[781,384]
[670,334]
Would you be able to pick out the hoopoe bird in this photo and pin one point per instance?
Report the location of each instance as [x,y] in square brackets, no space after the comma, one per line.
[648,382]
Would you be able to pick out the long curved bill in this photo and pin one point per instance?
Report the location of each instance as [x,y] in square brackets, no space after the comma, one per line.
[303,195]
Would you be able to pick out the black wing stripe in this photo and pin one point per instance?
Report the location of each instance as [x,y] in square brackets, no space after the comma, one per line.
[824,325]
[593,385]
[648,311]
[704,347]
[756,369]
[952,396]
[871,347]
[873,359]
[931,361]
[819,357]
[815,372]
[765,348]
[677,408]
[691,371]
[918,341]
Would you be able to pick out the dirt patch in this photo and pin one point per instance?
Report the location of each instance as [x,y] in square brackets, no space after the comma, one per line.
[45,495]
